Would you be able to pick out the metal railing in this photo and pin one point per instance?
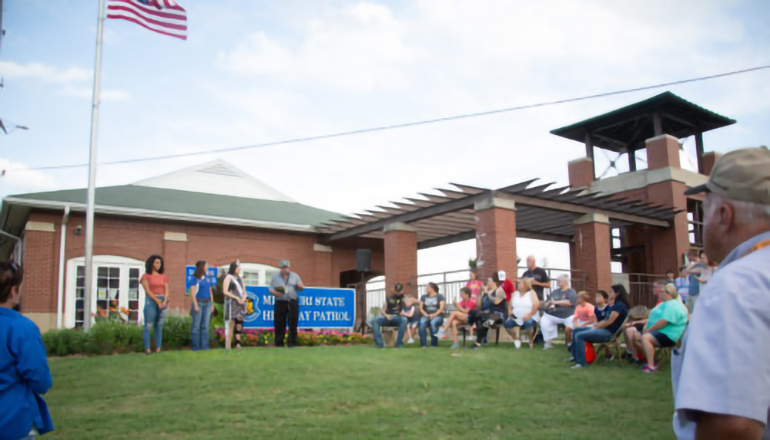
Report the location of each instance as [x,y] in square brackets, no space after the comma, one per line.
[640,288]
[451,282]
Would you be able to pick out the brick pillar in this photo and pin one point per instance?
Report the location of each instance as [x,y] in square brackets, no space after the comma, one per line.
[323,266]
[663,152]
[581,172]
[401,257]
[709,159]
[175,261]
[39,289]
[668,244]
[496,236]
[592,250]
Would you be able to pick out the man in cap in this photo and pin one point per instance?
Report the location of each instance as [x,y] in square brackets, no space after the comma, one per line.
[391,316]
[284,286]
[721,374]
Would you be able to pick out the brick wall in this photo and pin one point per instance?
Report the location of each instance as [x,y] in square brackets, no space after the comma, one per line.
[592,254]
[401,261]
[139,238]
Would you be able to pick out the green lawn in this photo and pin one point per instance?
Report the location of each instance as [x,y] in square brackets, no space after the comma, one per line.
[356,392]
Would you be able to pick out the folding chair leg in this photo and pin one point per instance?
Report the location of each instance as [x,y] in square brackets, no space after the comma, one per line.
[497,336]
[464,333]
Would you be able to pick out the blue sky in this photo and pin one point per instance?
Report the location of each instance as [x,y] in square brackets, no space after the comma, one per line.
[258,71]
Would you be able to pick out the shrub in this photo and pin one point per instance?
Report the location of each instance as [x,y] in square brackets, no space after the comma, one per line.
[108,337]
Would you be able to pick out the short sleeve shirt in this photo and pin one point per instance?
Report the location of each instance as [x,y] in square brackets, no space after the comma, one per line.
[694,286]
[289,284]
[721,367]
[622,315]
[541,276]
[394,304]
[563,311]
[475,286]
[585,312]
[204,289]
[431,304]
[469,304]
[673,312]
[157,283]
[601,313]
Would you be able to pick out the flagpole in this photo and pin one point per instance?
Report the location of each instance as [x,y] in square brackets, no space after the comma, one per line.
[90,276]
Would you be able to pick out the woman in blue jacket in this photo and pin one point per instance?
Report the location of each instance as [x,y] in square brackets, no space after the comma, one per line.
[24,373]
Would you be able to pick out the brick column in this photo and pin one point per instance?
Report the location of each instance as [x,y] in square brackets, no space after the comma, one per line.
[496,235]
[323,267]
[175,261]
[581,172]
[663,152]
[401,257]
[592,250]
[709,159]
[39,291]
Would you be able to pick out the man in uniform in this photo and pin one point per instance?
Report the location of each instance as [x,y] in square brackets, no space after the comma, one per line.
[721,374]
[284,286]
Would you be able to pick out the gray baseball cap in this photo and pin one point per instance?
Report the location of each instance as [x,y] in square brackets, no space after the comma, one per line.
[742,175]
[285,263]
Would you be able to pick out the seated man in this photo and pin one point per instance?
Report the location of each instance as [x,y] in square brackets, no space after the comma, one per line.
[559,309]
[460,316]
[664,326]
[391,317]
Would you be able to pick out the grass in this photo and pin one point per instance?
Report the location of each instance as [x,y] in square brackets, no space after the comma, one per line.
[356,392]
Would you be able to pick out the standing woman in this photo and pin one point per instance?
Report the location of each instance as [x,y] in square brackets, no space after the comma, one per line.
[155,285]
[202,298]
[235,304]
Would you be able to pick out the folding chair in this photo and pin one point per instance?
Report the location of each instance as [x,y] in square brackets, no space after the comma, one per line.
[665,353]
[605,346]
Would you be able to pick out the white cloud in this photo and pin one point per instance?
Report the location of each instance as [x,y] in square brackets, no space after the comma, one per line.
[18,178]
[70,78]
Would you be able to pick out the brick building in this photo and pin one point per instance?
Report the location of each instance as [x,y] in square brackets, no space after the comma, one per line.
[215,212]
[212,212]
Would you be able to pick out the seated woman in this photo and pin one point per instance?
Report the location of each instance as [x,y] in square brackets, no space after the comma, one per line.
[412,315]
[460,316]
[522,311]
[663,327]
[602,331]
[431,307]
[584,312]
[491,309]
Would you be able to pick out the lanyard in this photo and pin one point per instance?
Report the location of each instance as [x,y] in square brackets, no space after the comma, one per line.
[756,247]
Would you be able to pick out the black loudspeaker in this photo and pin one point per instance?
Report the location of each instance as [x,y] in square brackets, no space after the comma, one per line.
[364,260]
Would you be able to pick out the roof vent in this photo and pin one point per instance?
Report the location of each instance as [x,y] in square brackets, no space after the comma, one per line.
[218,169]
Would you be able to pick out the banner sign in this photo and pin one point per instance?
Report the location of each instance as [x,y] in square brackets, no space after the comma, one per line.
[318,308]
[190,280]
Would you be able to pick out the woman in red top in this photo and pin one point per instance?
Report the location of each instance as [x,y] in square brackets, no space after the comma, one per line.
[460,316]
[155,285]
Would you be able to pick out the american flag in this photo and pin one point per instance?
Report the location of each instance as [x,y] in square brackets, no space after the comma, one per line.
[162,16]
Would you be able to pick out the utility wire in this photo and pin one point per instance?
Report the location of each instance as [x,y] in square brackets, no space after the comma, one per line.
[398,126]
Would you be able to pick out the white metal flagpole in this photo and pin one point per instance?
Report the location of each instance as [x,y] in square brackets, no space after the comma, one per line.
[90,276]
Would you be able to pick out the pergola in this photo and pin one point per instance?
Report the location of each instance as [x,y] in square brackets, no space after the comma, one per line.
[626,129]
[495,218]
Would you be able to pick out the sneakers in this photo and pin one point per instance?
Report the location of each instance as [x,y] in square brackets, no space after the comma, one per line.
[410,341]
[649,369]
[474,347]
[609,358]
[571,359]
[455,346]
[485,342]
[489,323]
[569,347]
[441,334]
[547,346]
[576,367]
[517,343]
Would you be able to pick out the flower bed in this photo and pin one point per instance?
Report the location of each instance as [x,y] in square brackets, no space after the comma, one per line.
[115,337]
[305,338]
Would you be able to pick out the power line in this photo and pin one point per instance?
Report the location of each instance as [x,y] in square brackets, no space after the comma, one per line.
[398,126]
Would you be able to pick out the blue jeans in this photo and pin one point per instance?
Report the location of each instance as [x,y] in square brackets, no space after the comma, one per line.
[394,321]
[435,324]
[511,324]
[200,326]
[153,317]
[586,334]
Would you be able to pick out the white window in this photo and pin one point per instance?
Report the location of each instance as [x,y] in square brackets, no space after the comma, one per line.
[115,288]
[257,274]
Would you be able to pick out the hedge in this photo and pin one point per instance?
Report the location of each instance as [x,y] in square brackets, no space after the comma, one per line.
[114,337]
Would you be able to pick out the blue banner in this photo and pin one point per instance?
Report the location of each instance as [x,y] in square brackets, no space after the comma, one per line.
[191,281]
[318,308]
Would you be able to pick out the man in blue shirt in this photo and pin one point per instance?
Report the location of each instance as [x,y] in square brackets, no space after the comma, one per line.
[721,375]
[24,373]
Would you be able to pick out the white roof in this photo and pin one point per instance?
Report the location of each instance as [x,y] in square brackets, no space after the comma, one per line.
[216,177]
